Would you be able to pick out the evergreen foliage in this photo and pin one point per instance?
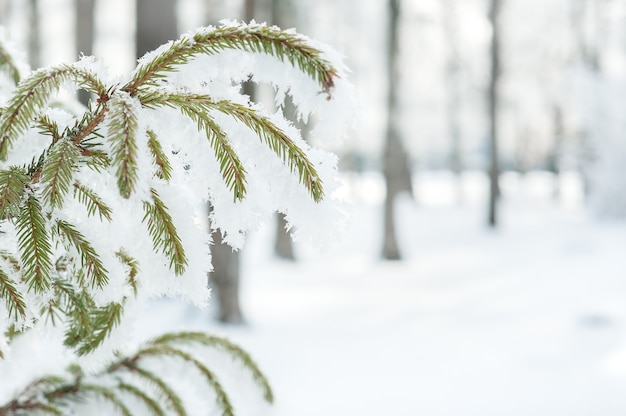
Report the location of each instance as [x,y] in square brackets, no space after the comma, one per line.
[54,209]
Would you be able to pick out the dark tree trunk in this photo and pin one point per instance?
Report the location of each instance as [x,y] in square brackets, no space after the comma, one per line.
[225,280]
[156,24]
[494,168]
[85,20]
[554,162]
[34,35]
[452,84]
[225,277]
[284,16]
[395,162]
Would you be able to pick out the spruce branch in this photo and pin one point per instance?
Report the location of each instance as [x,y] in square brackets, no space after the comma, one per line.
[231,168]
[77,306]
[34,245]
[198,107]
[104,319]
[173,400]
[49,127]
[12,297]
[221,397]
[160,158]
[92,201]
[153,405]
[254,38]
[223,344]
[107,394]
[163,232]
[58,170]
[13,183]
[89,258]
[133,269]
[123,125]
[8,65]
[32,95]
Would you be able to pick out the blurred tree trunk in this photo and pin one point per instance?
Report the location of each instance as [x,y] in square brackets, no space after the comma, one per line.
[554,161]
[34,34]
[494,168]
[395,162]
[284,16]
[452,84]
[156,24]
[453,100]
[586,28]
[226,276]
[85,22]
[5,11]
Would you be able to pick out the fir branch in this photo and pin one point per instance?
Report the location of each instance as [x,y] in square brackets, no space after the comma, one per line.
[32,95]
[48,126]
[133,269]
[78,308]
[160,158]
[255,38]
[92,201]
[168,395]
[12,187]
[123,125]
[12,297]
[104,319]
[163,232]
[231,168]
[57,172]
[34,245]
[189,337]
[89,258]
[198,106]
[8,65]
[107,394]
[221,397]
[151,404]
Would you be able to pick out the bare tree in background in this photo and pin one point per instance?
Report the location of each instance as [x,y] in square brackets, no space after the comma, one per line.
[453,89]
[226,275]
[34,34]
[492,95]
[395,162]
[85,22]
[284,16]
[156,24]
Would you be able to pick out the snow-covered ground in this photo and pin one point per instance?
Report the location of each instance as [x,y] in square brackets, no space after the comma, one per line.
[529,319]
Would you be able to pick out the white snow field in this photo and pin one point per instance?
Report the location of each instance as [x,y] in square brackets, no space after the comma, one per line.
[529,319]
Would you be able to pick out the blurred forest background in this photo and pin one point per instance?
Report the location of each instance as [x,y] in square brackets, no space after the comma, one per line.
[490,145]
[449,86]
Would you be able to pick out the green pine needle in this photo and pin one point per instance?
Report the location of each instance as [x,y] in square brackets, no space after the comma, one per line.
[255,38]
[12,297]
[12,187]
[104,320]
[32,95]
[190,337]
[164,234]
[58,169]
[160,158]
[34,245]
[7,65]
[123,126]
[89,258]
[133,269]
[173,400]
[91,200]
[107,394]
[151,404]
[221,397]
